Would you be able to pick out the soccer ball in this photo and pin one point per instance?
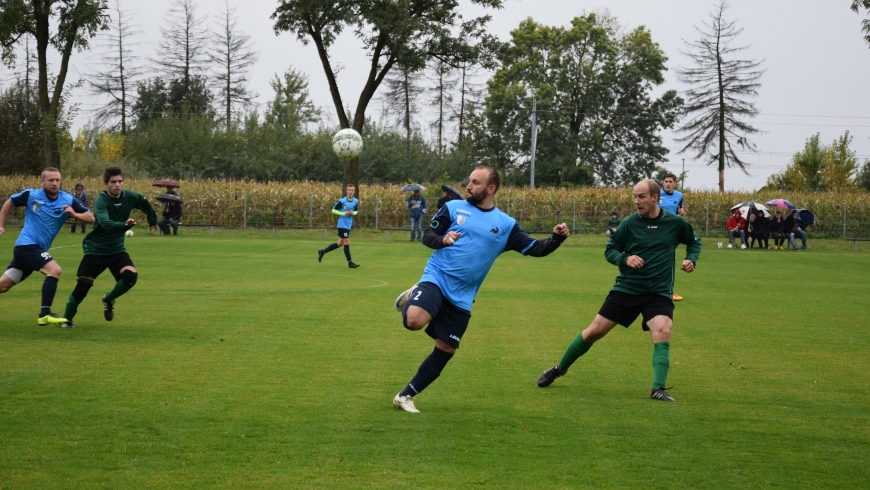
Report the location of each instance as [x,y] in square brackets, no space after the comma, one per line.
[347,144]
[129,233]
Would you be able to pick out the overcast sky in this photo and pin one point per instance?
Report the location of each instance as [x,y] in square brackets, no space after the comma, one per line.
[818,66]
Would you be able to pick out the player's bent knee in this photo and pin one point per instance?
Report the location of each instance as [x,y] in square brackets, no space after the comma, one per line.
[129,277]
[83,285]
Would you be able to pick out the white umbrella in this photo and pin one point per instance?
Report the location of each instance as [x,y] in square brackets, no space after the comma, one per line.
[746,206]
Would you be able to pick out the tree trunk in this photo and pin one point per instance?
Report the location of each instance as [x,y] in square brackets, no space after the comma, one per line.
[722,109]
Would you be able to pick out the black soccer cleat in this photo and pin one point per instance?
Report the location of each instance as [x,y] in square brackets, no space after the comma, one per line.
[320,254]
[108,309]
[67,324]
[661,394]
[352,265]
[550,375]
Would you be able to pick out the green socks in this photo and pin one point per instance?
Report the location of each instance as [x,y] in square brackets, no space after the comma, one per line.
[72,307]
[577,348]
[119,289]
[661,362]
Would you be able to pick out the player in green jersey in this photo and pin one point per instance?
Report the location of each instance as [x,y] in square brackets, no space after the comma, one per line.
[104,245]
[643,247]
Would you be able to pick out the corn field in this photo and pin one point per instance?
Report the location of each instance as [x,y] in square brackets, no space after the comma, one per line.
[245,204]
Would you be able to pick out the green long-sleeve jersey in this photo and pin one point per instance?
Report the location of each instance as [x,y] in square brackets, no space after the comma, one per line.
[654,240]
[111,215]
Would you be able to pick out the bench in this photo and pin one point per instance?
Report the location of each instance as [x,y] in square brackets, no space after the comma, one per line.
[855,241]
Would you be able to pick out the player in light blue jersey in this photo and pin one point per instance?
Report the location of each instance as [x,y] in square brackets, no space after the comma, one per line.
[346,208]
[467,237]
[672,200]
[47,210]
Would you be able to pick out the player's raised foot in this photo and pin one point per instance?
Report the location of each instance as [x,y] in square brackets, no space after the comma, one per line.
[403,298]
[406,403]
[661,394]
[108,309]
[320,254]
[50,319]
[352,265]
[550,375]
[677,297]
[67,324]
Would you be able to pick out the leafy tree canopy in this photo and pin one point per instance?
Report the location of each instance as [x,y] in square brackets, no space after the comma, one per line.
[819,167]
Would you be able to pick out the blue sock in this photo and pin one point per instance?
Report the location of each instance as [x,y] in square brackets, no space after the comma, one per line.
[347,252]
[428,372]
[49,288]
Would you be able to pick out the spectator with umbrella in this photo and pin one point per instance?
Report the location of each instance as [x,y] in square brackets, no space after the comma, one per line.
[777,230]
[418,207]
[794,227]
[736,227]
[171,212]
[759,227]
[448,193]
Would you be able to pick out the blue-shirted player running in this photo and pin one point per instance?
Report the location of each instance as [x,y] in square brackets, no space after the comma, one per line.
[672,200]
[47,210]
[346,208]
[467,237]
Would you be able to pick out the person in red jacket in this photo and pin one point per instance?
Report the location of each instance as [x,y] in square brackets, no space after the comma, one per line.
[736,226]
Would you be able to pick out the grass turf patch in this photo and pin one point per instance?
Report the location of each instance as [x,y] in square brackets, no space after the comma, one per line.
[239,361]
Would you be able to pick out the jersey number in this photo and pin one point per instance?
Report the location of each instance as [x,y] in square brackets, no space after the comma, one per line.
[418,295]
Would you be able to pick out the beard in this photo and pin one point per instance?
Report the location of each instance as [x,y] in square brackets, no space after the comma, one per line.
[475,199]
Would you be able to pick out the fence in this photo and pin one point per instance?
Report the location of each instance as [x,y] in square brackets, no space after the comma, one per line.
[585,210]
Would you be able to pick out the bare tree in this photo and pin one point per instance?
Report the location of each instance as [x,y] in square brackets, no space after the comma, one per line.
[400,97]
[117,72]
[441,98]
[717,101]
[183,49]
[232,56]
[469,94]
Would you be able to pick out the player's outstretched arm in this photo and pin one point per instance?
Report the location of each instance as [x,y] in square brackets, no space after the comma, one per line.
[4,212]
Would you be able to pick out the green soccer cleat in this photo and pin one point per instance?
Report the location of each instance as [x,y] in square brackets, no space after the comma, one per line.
[51,319]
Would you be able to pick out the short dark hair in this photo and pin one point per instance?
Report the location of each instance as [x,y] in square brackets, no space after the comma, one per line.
[494,177]
[111,172]
[48,169]
[671,175]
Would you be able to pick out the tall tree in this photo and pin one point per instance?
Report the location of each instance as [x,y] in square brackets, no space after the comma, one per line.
[719,101]
[470,93]
[232,55]
[77,21]
[402,89]
[183,50]
[20,131]
[819,167]
[593,84]
[441,99]
[117,72]
[865,24]
[407,32]
[291,109]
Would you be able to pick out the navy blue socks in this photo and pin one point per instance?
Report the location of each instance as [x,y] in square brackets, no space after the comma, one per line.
[49,288]
[428,372]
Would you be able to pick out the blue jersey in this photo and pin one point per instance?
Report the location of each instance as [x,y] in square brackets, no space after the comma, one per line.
[672,201]
[344,204]
[43,217]
[460,269]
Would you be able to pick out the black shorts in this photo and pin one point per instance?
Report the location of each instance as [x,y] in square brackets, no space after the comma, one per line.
[343,233]
[25,260]
[94,265]
[624,308]
[448,322]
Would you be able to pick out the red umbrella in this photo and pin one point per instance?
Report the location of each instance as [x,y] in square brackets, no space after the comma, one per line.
[165,183]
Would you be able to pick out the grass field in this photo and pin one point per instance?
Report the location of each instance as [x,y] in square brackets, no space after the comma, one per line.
[238,361]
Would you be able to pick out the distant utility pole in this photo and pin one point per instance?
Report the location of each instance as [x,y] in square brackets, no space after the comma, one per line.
[683,176]
[534,142]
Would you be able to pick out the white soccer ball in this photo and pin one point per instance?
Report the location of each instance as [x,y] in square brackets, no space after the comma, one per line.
[129,233]
[347,144]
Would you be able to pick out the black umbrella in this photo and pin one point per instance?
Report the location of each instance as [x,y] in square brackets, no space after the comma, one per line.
[413,187]
[169,197]
[807,217]
[452,193]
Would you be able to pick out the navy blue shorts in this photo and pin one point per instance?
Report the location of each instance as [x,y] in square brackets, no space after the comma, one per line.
[25,260]
[448,322]
[343,233]
[624,308]
[94,265]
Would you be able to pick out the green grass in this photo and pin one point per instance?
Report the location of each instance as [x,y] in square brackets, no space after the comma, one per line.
[238,361]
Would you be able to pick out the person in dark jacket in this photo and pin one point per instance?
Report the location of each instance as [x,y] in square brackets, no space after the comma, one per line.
[171,216]
[794,228]
[760,232]
[417,205]
[443,200]
[777,230]
[82,197]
